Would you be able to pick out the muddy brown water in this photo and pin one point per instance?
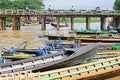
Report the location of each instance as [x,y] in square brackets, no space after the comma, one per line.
[9,38]
[30,34]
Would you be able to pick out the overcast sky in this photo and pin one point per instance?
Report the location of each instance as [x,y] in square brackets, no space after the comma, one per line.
[79,4]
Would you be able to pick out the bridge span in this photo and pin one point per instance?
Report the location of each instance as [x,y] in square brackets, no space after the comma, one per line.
[17,14]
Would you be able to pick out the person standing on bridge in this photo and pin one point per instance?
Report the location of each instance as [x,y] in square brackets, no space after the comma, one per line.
[72,9]
[49,9]
[27,9]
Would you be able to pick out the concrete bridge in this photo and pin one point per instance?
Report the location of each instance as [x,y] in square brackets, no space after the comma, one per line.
[17,14]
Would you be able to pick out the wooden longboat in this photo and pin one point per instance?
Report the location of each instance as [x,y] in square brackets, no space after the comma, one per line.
[102,52]
[27,53]
[103,69]
[62,59]
[23,54]
[105,40]
[56,50]
[95,31]
[98,70]
[106,56]
[31,24]
[62,37]
[55,25]
[87,71]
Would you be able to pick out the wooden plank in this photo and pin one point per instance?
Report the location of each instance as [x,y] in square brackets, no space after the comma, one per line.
[82,71]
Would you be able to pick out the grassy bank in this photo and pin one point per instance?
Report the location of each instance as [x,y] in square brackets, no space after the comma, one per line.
[67,20]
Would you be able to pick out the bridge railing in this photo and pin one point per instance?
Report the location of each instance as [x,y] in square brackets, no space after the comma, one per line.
[33,11]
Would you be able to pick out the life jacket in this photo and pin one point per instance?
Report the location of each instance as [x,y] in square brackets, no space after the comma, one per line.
[75,43]
[42,52]
[95,36]
[48,44]
[1,60]
[13,50]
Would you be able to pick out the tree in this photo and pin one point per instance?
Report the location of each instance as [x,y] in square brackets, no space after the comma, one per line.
[21,4]
[117,5]
[6,4]
[34,4]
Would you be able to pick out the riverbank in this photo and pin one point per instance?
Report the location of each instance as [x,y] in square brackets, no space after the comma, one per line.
[79,20]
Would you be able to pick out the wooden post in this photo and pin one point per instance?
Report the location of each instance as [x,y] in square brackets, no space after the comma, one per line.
[103,21]
[117,22]
[2,23]
[58,23]
[16,23]
[72,23]
[43,23]
[88,23]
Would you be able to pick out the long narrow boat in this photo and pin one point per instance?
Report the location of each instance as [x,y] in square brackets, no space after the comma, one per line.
[27,53]
[97,70]
[105,40]
[95,31]
[62,37]
[62,59]
[23,54]
[31,24]
[55,25]
[103,69]
[50,48]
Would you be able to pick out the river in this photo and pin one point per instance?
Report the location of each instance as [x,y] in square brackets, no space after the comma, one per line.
[30,34]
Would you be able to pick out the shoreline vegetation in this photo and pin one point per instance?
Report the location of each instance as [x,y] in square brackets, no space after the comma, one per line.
[67,20]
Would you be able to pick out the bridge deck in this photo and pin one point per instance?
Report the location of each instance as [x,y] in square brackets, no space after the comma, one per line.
[59,13]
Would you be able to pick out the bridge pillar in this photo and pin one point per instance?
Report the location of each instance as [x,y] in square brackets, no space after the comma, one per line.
[116,22]
[2,23]
[58,23]
[72,23]
[88,23]
[16,23]
[43,23]
[103,21]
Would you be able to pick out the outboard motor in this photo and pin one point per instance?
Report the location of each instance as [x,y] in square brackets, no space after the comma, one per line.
[42,52]
[57,44]
[75,44]
[13,50]
[1,60]
[48,46]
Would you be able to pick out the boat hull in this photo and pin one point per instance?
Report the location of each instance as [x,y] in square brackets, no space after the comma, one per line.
[106,40]
[50,37]
[74,59]
[95,32]
[47,62]
[55,25]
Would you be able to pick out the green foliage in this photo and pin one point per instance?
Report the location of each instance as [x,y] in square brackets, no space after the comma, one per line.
[21,4]
[67,20]
[8,20]
[117,5]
